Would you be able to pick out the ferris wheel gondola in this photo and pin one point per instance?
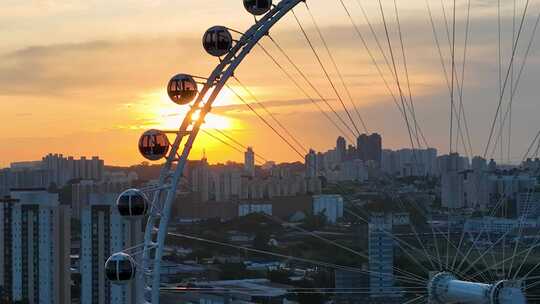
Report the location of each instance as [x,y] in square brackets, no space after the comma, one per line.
[258,7]
[182,89]
[217,41]
[132,204]
[120,268]
[154,145]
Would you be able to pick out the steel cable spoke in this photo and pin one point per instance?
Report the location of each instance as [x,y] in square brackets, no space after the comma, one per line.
[298,86]
[274,118]
[340,75]
[398,83]
[376,65]
[501,96]
[316,54]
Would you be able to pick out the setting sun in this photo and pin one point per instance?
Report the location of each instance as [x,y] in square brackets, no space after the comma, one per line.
[155,110]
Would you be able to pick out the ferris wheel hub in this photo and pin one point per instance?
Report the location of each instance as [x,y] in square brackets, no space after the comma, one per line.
[444,287]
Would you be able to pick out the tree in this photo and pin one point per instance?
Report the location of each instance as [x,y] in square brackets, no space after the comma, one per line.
[199,254]
[260,242]
[315,221]
[310,297]
[237,271]
[279,276]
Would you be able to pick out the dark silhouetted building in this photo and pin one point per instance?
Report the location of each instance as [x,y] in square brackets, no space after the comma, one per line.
[341,148]
[369,147]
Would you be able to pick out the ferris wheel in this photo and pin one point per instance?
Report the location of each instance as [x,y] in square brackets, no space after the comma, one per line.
[449,281]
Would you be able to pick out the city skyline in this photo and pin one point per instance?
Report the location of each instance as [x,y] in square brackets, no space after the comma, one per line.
[79,104]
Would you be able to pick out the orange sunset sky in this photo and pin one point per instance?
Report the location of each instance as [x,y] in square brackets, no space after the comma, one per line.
[88,77]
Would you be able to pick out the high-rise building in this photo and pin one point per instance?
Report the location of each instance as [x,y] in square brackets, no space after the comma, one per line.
[483,187]
[62,169]
[6,207]
[478,164]
[390,162]
[528,205]
[408,162]
[5,182]
[475,184]
[113,182]
[381,258]
[80,196]
[362,146]
[52,169]
[40,248]
[375,148]
[227,183]
[508,187]
[351,170]
[341,148]
[369,147]
[200,179]
[249,162]
[23,176]
[312,165]
[104,232]
[451,180]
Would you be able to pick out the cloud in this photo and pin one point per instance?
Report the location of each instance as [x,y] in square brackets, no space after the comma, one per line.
[72,70]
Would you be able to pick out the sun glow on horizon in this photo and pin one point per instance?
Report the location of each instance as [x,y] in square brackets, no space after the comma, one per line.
[156,110]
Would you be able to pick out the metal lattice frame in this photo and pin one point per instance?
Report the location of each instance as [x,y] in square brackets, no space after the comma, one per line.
[164,195]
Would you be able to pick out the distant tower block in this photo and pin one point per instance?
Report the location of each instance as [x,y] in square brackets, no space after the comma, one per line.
[249,162]
[312,169]
[341,148]
[446,288]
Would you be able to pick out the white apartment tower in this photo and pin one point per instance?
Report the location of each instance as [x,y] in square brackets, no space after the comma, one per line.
[40,248]
[451,180]
[104,232]
[381,258]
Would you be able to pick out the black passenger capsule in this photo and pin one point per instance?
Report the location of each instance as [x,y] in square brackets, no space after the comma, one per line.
[154,145]
[120,268]
[217,41]
[132,203]
[182,89]
[258,7]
